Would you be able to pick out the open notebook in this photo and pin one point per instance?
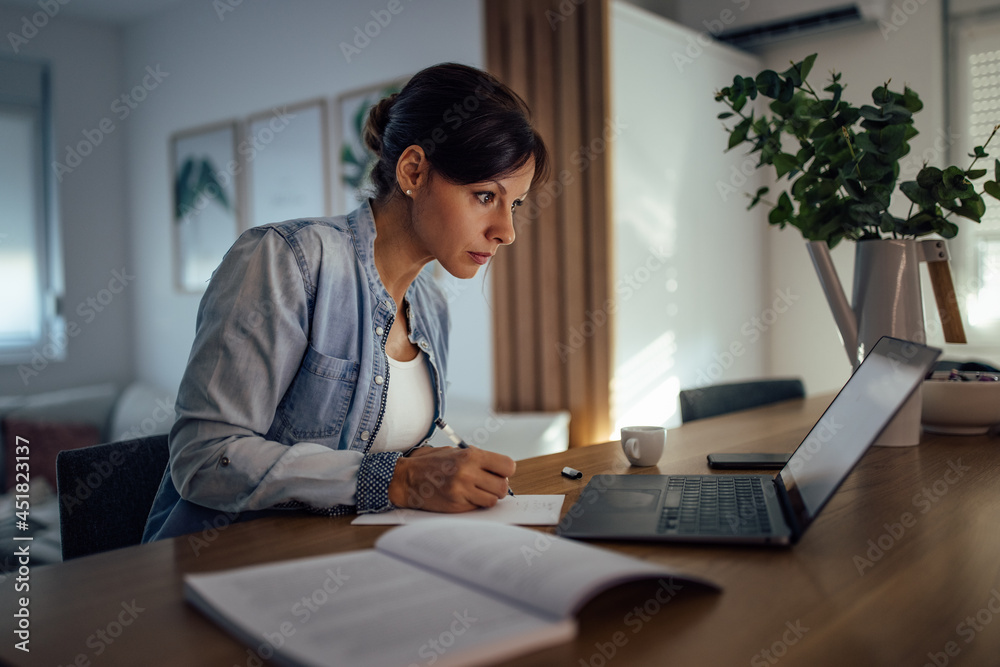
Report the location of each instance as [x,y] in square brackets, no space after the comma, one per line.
[447,592]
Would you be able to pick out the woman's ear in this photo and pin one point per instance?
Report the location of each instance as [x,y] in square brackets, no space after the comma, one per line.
[412,169]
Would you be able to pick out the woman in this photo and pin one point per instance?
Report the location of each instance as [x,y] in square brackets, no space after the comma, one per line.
[286,401]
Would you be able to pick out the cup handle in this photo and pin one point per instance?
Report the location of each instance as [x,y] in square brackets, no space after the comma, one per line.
[632,447]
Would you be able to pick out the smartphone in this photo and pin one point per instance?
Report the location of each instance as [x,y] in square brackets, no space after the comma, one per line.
[759,461]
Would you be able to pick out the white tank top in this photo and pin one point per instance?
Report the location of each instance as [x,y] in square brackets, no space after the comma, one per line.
[409,406]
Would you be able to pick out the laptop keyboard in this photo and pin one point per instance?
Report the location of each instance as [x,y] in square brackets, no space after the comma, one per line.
[714,505]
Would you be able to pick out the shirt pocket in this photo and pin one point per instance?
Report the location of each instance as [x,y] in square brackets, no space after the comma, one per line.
[319,397]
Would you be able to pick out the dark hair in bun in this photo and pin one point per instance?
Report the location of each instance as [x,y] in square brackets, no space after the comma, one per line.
[378,118]
[471,127]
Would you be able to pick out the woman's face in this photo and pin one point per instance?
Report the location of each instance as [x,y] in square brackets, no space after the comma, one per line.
[462,226]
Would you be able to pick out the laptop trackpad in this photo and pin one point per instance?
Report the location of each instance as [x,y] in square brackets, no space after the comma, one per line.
[632,500]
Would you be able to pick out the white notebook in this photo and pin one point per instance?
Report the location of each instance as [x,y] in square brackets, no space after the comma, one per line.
[537,510]
[448,592]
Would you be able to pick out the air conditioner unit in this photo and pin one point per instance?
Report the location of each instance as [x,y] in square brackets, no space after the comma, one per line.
[751,23]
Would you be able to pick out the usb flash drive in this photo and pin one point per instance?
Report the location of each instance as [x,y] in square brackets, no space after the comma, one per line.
[572,473]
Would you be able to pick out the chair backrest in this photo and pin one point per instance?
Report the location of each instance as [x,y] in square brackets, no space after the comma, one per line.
[106,492]
[720,399]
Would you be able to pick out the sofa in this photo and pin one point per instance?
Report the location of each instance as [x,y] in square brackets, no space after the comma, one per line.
[65,419]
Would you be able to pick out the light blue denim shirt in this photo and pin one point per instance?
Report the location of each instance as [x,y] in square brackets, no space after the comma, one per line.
[286,384]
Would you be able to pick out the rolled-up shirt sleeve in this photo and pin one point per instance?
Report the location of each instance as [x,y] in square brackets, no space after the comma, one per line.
[251,337]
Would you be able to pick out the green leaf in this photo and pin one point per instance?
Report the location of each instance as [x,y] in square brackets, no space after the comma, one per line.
[784,163]
[970,212]
[736,90]
[873,113]
[823,129]
[863,141]
[852,187]
[782,212]
[892,137]
[837,91]
[769,83]
[928,177]
[953,176]
[911,100]
[918,195]
[881,95]
[805,153]
[757,197]
[992,189]
[996,170]
[806,65]
[725,114]
[739,133]
[787,91]
[803,184]
[975,173]
[739,103]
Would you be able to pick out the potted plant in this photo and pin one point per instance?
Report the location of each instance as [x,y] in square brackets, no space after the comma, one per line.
[841,165]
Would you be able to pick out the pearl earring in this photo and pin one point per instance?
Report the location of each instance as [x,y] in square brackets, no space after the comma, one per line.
[409,193]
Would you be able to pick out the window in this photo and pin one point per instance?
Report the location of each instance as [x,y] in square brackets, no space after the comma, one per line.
[30,270]
[975,112]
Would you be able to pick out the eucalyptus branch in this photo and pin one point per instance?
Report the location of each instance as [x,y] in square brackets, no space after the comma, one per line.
[985,144]
[847,194]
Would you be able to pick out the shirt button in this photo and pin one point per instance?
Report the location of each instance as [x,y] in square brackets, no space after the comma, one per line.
[379,331]
[387,303]
[424,345]
[224,461]
[379,379]
[365,435]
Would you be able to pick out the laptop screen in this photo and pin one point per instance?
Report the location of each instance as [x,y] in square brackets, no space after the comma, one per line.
[860,412]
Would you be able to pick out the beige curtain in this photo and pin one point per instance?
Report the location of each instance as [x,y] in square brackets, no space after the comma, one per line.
[551,323]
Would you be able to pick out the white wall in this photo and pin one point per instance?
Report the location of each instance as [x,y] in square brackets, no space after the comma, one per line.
[86,67]
[688,271]
[909,50]
[263,54]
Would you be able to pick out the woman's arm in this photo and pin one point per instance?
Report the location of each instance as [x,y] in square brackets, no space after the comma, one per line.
[252,334]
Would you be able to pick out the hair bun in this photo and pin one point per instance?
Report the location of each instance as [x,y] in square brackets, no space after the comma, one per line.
[378,118]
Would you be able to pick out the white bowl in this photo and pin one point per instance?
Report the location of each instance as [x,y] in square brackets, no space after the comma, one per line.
[964,408]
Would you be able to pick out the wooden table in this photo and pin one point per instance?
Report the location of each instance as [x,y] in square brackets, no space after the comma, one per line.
[901,568]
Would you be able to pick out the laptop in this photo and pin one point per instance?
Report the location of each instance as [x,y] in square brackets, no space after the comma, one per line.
[759,509]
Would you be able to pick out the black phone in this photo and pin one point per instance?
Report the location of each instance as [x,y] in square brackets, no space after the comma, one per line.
[757,461]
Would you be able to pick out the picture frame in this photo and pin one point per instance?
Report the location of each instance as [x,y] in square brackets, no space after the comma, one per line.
[205,218]
[354,160]
[287,163]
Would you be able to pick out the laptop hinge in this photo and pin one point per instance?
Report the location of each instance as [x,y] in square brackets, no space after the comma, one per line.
[786,508]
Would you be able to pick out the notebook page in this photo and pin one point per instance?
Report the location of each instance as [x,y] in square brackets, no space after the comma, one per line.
[552,574]
[366,608]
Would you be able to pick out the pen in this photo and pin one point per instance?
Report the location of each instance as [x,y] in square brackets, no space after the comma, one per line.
[461,444]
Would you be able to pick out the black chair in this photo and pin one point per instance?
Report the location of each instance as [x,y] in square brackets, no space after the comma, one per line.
[106,492]
[720,399]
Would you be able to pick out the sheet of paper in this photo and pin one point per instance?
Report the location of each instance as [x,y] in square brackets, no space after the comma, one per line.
[519,510]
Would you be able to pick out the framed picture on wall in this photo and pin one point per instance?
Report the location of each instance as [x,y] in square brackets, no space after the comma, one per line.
[354,161]
[206,212]
[288,166]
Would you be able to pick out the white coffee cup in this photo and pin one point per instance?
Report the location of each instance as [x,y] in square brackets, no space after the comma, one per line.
[643,445]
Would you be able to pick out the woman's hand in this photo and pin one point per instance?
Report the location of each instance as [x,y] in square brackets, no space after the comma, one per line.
[449,479]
